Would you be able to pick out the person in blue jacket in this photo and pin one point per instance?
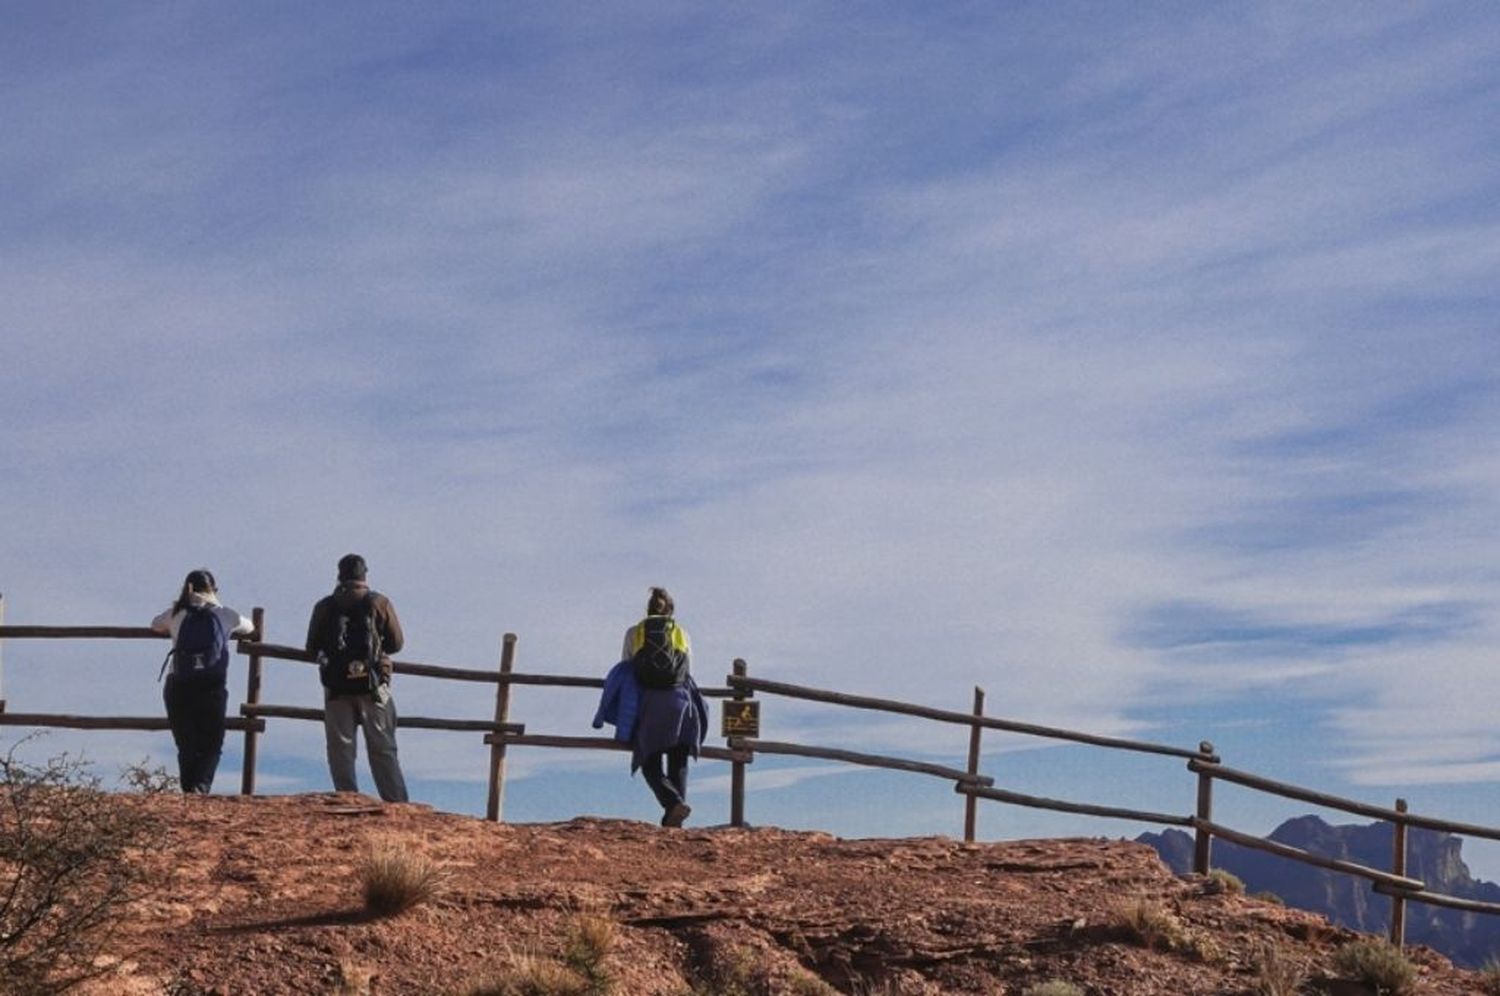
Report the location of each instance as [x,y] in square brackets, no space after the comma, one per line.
[655,706]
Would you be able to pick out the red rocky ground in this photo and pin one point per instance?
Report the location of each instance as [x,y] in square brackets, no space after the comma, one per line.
[269,902]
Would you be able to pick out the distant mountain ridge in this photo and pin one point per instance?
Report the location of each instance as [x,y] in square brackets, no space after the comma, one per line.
[1469,939]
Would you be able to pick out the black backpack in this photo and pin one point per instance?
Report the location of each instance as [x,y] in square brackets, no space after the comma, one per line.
[658,663]
[351,664]
[200,653]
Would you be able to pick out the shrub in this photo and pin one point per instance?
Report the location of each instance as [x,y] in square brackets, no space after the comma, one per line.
[1228,883]
[1269,897]
[396,878]
[1489,978]
[72,857]
[1376,963]
[1054,987]
[147,780]
[1275,975]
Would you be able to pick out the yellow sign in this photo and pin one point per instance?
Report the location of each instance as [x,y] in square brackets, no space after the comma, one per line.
[741,719]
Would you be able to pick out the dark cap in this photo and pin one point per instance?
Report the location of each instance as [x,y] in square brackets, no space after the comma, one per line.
[352,567]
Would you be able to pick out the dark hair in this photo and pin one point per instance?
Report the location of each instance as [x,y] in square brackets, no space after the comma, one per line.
[199,582]
[352,567]
[660,603]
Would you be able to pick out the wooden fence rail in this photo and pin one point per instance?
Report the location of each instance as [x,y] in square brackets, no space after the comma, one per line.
[146,724]
[500,735]
[1079,808]
[949,716]
[753,747]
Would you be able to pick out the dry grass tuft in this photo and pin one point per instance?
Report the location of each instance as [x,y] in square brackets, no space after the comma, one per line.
[581,971]
[353,980]
[808,984]
[397,878]
[589,942]
[1054,987]
[1489,978]
[529,975]
[1227,883]
[1275,974]
[1152,925]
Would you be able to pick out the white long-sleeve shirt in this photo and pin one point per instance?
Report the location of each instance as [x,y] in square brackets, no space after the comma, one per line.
[170,621]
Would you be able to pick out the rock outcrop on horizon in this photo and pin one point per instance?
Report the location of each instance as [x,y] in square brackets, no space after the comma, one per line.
[1470,939]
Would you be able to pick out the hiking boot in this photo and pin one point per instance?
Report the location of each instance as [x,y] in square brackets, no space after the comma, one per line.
[676,815]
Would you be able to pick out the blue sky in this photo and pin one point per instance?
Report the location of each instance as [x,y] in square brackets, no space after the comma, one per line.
[1135,362]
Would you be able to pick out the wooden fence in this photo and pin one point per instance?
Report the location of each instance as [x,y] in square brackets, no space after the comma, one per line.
[500,734]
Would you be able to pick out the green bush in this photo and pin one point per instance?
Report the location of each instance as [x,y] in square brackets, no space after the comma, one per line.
[1376,963]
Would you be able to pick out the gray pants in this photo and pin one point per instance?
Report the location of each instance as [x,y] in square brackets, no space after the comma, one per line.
[376,712]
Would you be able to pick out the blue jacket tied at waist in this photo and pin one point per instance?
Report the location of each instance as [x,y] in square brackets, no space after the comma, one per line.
[651,720]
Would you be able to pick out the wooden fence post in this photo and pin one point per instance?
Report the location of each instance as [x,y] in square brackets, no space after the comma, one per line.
[502,715]
[1398,867]
[252,697]
[1202,839]
[737,768]
[971,801]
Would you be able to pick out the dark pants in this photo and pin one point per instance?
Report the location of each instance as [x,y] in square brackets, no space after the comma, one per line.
[196,713]
[671,788]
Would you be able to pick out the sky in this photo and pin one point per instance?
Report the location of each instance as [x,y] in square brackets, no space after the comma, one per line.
[1136,363]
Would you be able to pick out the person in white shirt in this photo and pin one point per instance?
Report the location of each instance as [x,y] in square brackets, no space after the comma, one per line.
[197,667]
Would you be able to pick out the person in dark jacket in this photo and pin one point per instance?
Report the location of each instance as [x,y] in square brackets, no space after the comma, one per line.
[353,633]
[195,693]
[670,720]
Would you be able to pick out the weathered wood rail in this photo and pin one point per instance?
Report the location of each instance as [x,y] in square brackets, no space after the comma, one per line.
[500,734]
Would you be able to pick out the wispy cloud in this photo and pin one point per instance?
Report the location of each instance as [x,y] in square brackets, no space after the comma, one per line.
[915,350]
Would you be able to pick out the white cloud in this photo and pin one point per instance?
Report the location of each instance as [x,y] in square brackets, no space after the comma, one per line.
[906,374]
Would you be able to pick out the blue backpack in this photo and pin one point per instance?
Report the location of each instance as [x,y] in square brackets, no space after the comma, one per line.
[201,648]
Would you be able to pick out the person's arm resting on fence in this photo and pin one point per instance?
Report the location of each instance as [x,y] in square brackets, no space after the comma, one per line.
[163,623]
